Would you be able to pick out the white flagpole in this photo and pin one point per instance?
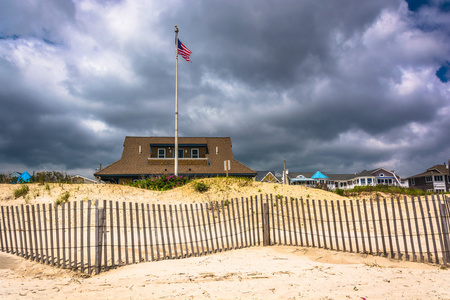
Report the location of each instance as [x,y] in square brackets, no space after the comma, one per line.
[176,104]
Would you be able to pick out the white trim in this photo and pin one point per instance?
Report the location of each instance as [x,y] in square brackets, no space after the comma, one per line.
[198,153]
[157,152]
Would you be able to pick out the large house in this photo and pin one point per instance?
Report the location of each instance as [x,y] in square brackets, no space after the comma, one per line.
[435,179]
[373,177]
[144,157]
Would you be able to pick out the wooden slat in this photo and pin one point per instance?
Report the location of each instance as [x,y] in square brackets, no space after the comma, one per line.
[20,229]
[69,234]
[354,226]
[397,242]
[257,212]
[361,226]
[366,216]
[283,222]
[422,216]
[252,232]
[299,222]
[162,233]
[408,218]
[189,230]
[30,235]
[310,223]
[335,225]
[330,235]
[230,224]
[430,219]
[437,218]
[304,222]
[199,226]
[41,244]
[184,231]
[173,232]
[81,235]
[149,222]
[243,220]
[236,233]
[10,231]
[225,225]
[322,225]
[119,233]
[421,257]
[15,231]
[167,231]
[24,232]
[347,222]
[179,229]
[3,233]
[138,230]
[294,219]
[88,242]
[133,245]
[391,246]
[75,235]
[208,217]
[58,249]
[405,243]
[206,229]
[197,252]
[374,227]
[63,234]
[381,227]
[125,233]
[111,233]
[288,220]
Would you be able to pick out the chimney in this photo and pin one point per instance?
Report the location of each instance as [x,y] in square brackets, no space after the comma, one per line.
[100,166]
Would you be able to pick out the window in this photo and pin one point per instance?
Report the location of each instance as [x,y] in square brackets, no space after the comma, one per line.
[161,153]
[180,153]
[438,178]
[369,180]
[363,181]
[195,153]
[413,181]
[428,178]
[381,175]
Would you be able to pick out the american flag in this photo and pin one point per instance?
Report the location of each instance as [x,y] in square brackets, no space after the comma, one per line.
[183,51]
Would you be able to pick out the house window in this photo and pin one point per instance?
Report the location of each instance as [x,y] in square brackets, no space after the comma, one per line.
[428,178]
[195,153]
[438,178]
[363,181]
[161,153]
[381,175]
[413,181]
[180,153]
[369,180]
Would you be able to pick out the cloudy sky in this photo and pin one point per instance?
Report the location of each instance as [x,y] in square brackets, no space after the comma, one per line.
[334,85]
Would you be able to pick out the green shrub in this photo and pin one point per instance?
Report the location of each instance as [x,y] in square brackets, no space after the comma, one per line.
[162,183]
[200,187]
[21,191]
[63,198]
[340,192]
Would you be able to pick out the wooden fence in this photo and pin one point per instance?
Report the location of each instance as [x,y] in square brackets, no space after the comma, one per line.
[97,236]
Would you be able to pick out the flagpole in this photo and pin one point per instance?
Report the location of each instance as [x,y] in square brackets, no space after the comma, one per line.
[176,104]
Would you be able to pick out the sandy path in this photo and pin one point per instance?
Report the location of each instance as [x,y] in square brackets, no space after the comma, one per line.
[254,273]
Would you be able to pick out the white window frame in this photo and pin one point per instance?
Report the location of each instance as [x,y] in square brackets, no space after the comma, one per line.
[438,178]
[428,179]
[363,181]
[198,153]
[158,154]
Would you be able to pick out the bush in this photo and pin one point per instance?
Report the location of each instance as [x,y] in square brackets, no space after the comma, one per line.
[63,198]
[200,187]
[162,183]
[21,191]
[340,192]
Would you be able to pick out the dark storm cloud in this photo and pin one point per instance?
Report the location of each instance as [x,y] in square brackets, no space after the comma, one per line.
[337,86]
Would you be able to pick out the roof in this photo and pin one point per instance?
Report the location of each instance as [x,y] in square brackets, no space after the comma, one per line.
[434,170]
[318,175]
[134,162]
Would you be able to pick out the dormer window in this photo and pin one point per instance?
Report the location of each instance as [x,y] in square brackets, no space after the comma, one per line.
[381,175]
[195,153]
[161,153]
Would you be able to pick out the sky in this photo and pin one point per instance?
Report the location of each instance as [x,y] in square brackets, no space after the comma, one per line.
[333,85]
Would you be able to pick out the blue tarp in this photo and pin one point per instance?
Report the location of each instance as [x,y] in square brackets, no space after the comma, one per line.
[319,175]
[24,177]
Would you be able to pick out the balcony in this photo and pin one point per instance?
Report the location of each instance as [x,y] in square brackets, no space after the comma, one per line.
[181,161]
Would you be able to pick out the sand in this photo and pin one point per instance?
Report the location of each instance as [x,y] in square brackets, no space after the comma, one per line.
[276,272]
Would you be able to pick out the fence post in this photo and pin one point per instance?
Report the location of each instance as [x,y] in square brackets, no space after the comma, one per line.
[265,221]
[445,233]
[100,221]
